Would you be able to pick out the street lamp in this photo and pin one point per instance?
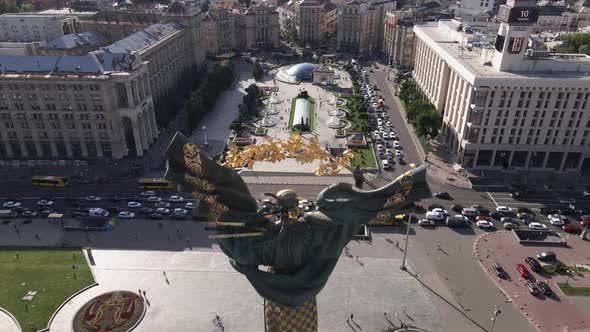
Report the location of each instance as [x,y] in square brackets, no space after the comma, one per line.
[204,129]
[497,312]
[403,266]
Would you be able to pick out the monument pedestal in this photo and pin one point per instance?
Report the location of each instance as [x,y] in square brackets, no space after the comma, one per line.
[279,318]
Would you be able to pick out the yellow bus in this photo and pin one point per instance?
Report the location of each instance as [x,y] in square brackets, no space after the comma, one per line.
[155,183]
[49,181]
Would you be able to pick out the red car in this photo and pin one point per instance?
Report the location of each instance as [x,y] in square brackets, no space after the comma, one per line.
[524,273]
[574,229]
[478,218]
[418,206]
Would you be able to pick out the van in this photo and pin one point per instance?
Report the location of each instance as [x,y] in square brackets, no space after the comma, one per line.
[469,212]
[98,212]
[7,214]
[456,221]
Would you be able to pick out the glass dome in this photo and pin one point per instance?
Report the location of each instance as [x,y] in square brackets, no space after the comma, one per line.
[296,73]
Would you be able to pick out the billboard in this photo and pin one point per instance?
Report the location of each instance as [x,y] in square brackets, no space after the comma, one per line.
[518,14]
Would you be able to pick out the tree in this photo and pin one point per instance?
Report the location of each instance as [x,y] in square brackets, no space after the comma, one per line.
[584,49]
[27,7]
[428,123]
[289,30]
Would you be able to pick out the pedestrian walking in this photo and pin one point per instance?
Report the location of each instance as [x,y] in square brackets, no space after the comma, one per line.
[140,292]
[397,244]
[352,317]
[18,232]
[37,236]
[17,255]
[438,246]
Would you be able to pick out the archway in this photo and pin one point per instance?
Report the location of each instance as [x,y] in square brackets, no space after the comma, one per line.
[129,137]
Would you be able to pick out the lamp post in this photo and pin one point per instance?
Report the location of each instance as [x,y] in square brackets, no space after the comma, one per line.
[204,129]
[403,266]
[497,312]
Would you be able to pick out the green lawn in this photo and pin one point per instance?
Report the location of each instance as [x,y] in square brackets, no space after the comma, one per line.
[363,157]
[573,291]
[46,271]
[562,270]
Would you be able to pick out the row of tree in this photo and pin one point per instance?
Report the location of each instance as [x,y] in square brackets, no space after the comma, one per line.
[11,7]
[420,113]
[204,97]
[575,43]
[248,109]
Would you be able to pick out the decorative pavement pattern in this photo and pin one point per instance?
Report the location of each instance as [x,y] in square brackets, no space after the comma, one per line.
[118,311]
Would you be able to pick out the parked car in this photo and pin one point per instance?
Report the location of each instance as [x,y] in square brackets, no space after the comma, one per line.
[126,215]
[93,198]
[503,209]
[544,288]
[537,226]
[524,209]
[441,211]
[190,205]
[134,205]
[155,216]
[556,221]
[12,204]
[154,199]
[98,212]
[547,256]
[546,210]
[434,215]
[457,221]
[162,204]
[573,229]
[145,211]
[30,214]
[148,193]
[531,287]
[44,202]
[522,271]
[163,211]
[533,263]
[511,225]
[426,222]
[499,270]
[442,195]
[457,208]
[385,164]
[485,224]
[176,199]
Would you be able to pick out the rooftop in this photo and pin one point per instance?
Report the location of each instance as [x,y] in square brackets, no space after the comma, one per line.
[144,38]
[466,54]
[73,40]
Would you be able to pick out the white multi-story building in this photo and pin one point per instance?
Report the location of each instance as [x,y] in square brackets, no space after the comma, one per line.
[560,19]
[398,38]
[256,27]
[219,31]
[28,28]
[92,106]
[506,105]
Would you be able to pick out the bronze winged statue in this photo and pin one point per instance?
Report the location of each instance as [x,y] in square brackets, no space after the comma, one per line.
[301,252]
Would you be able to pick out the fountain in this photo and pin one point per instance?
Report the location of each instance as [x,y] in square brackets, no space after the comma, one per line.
[336,112]
[273,99]
[336,123]
[270,111]
[267,121]
[337,101]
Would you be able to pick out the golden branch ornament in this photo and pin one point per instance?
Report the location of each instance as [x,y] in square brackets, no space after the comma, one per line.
[304,152]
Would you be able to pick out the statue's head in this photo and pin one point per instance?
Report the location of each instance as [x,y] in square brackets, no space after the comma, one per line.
[287,199]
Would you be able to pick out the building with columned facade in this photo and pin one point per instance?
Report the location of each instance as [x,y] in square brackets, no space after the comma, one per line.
[75,107]
[505,104]
[398,38]
[219,31]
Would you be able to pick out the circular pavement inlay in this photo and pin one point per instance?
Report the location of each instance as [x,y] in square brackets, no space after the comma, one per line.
[118,311]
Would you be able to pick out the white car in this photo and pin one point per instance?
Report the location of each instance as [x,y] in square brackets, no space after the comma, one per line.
[126,215]
[586,193]
[398,153]
[45,202]
[441,211]
[93,198]
[98,212]
[180,211]
[434,215]
[557,216]
[536,225]
[162,211]
[377,137]
[392,134]
[385,164]
[375,105]
[484,224]
[148,193]
[190,205]
[12,204]
[388,123]
[380,147]
[176,199]
[134,205]
[396,144]
[426,222]
[556,222]
[503,209]
[154,199]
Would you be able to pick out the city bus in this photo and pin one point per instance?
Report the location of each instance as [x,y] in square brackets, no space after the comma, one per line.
[49,181]
[155,183]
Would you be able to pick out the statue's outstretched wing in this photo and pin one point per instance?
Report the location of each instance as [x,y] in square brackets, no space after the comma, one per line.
[220,188]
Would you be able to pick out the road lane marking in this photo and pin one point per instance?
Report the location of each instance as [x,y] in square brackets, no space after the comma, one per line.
[493,200]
